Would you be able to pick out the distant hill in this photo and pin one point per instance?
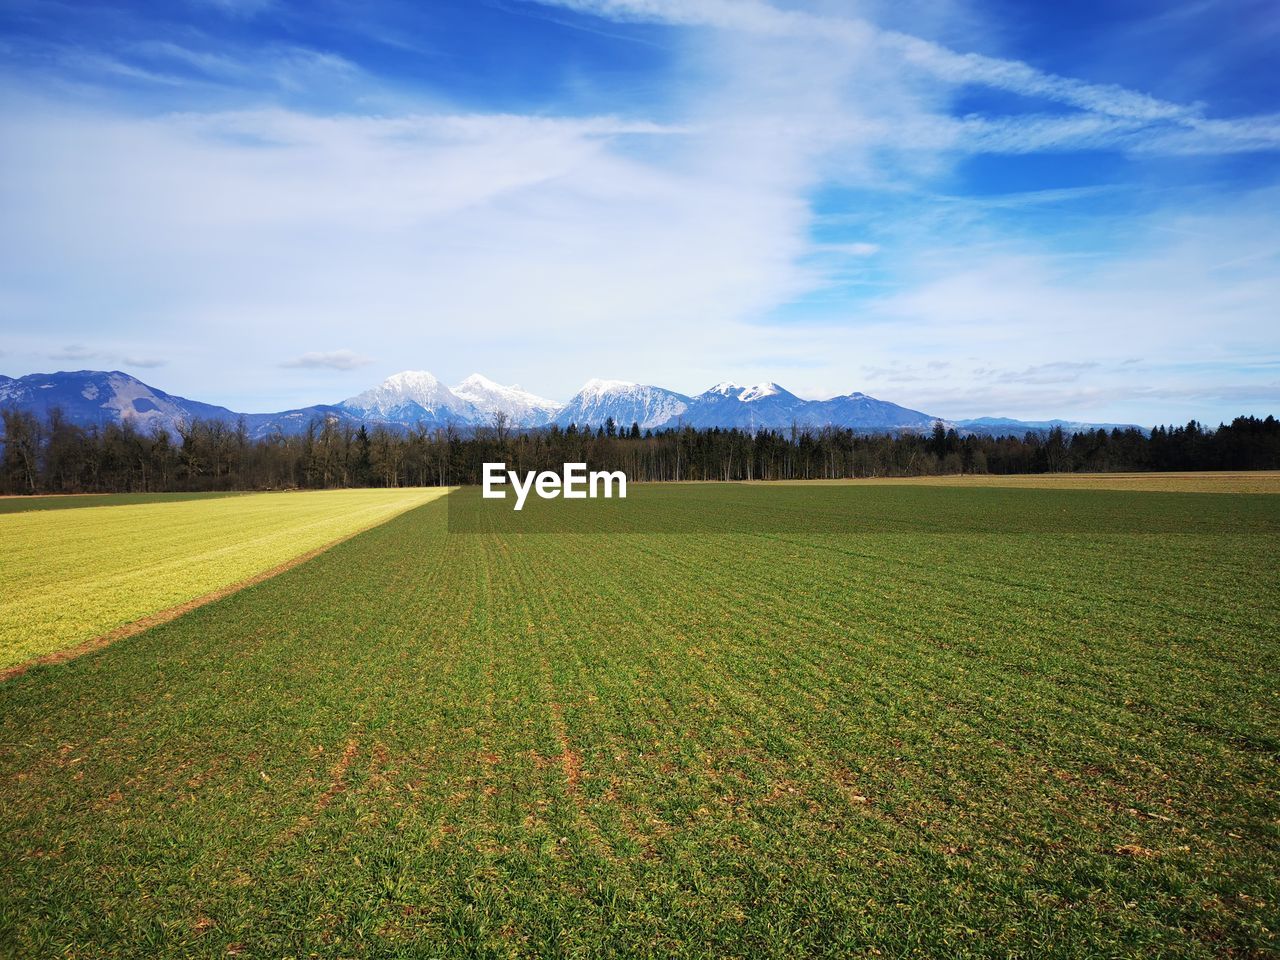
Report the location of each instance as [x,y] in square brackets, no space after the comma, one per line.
[94,397]
[997,426]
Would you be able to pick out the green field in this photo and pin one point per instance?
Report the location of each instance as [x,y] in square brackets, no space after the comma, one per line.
[827,720]
[1222,481]
[68,576]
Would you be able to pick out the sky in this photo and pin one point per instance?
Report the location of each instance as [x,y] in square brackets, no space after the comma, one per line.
[969,208]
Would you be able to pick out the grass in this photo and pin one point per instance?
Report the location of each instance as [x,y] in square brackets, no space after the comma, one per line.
[73,500]
[1225,481]
[794,741]
[68,576]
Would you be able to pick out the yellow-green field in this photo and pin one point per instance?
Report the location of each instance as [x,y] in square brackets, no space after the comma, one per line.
[67,576]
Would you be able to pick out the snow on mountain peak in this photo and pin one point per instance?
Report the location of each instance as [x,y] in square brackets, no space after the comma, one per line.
[523,408]
[597,387]
[411,380]
[478,385]
[726,388]
[417,387]
[760,391]
[624,402]
[478,381]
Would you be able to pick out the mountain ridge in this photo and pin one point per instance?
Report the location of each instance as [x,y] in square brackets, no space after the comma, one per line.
[520,406]
[412,398]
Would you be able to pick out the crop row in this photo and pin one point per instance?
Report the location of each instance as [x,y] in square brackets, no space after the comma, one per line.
[769,743]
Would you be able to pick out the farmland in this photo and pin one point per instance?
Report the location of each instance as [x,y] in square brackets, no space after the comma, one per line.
[771,720]
[72,501]
[70,575]
[1224,481]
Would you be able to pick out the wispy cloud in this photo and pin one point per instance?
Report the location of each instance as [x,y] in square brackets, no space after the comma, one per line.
[144,362]
[331,360]
[242,9]
[91,63]
[1057,371]
[74,351]
[855,249]
[1114,115]
[288,68]
[79,353]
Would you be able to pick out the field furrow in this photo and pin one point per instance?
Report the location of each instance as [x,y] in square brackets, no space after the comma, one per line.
[814,742]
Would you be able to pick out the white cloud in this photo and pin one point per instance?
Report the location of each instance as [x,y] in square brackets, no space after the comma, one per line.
[439,240]
[1047,333]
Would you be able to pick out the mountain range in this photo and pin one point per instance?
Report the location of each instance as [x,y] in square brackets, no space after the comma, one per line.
[89,397]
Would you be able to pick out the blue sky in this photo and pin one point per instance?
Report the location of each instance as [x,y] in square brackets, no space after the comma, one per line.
[970,208]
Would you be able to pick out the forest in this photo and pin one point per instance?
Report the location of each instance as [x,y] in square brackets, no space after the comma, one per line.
[56,456]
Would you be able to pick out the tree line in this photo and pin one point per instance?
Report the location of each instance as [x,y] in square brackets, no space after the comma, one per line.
[56,456]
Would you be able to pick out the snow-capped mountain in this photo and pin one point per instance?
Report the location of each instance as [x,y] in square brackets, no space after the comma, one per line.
[765,406]
[89,398]
[410,397]
[763,391]
[415,396]
[523,409]
[868,413]
[625,402]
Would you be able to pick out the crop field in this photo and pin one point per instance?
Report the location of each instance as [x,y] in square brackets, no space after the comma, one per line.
[70,575]
[70,501]
[1226,481]
[769,721]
